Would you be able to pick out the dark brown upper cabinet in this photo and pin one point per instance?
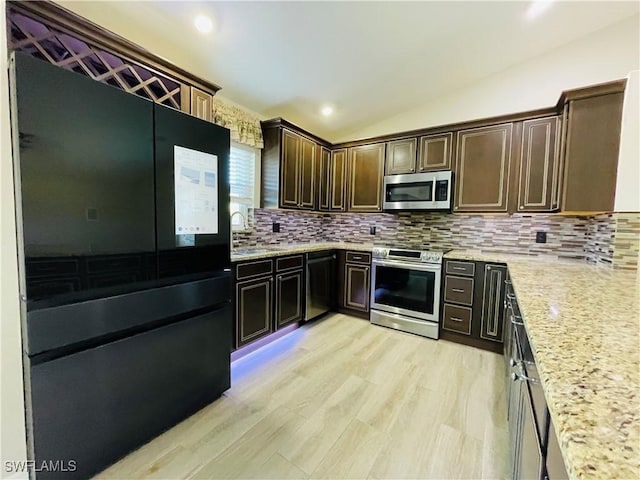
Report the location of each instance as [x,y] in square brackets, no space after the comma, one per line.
[289,170]
[539,165]
[401,156]
[324,179]
[483,166]
[591,153]
[332,176]
[307,161]
[337,196]
[434,152]
[366,172]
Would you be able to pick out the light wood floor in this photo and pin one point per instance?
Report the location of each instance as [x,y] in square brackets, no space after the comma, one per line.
[343,399]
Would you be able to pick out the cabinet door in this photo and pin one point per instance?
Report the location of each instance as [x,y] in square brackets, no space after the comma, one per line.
[201,104]
[307,173]
[366,171]
[555,463]
[529,459]
[493,302]
[356,287]
[591,155]
[483,165]
[324,185]
[338,179]
[434,152]
[288,298]
[538,165]
[253,310]
[289,170]
[401,156]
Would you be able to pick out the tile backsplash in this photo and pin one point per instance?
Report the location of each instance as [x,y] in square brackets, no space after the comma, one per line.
[611,239]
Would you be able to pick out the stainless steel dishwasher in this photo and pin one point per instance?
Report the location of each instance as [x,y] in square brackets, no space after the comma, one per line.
[320,285]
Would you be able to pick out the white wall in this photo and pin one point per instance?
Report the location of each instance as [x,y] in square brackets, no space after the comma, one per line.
[12,424]
[608,54]
[628,186]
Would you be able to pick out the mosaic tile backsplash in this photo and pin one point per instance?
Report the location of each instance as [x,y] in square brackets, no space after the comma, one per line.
[611,239]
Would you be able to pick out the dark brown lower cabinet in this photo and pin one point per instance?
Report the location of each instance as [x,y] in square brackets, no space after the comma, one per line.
[493,291]
[254,306]
[288,298]
[269,294]
[473,304]
[355,290]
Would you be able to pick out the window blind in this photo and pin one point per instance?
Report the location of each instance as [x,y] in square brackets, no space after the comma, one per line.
[242,175]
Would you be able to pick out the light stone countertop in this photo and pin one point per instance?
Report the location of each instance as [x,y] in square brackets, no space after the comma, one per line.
[270,251]
[583,322]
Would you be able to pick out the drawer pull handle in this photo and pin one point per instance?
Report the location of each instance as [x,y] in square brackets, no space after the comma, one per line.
[523,378]
[511,296]
[458,268]
[456,319]
[516,320]
[507,282]
[458,290]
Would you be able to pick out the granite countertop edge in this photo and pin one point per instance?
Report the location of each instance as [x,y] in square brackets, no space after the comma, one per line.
[271,251]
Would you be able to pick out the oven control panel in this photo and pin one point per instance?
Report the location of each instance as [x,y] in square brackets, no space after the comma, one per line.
[422,256]
[380,252]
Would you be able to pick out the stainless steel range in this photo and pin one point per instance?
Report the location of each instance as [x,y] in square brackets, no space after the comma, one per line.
[405,290]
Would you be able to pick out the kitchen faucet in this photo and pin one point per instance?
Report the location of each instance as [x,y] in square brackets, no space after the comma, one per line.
[244,220]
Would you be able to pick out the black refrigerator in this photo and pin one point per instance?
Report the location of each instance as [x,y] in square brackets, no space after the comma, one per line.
[123,220]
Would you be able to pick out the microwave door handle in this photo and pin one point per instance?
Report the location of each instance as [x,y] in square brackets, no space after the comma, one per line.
[433,191]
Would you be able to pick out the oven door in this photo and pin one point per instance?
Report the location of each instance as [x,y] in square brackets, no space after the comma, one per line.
[406,289]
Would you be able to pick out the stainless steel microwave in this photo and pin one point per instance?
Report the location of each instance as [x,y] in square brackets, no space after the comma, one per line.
[418,191]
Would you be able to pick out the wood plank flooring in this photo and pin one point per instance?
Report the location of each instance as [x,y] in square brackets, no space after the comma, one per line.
[342,399]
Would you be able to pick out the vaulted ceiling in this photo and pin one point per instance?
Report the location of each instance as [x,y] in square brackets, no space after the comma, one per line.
[368,60]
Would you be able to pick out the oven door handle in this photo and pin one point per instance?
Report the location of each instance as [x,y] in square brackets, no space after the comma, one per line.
[424,267]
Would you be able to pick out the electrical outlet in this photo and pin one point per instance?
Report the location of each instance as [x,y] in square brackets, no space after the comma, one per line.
[276,227]
[541,237]
[372,230]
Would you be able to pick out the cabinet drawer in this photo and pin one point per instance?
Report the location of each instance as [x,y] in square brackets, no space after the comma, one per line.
[288,263]
[254,269]
[358,257]
[460,268]
[458,290]
[457,319]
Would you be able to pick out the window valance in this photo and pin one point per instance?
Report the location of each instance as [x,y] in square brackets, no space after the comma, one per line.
[245,127]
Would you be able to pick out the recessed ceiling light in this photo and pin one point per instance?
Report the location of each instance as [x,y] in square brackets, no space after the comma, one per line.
[203,24]
[538,7]
[326,111]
